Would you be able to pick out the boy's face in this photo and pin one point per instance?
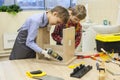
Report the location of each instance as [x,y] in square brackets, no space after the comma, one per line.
[73,18]
[54,19]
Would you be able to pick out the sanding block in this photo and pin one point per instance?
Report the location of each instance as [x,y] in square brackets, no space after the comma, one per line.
[35,74]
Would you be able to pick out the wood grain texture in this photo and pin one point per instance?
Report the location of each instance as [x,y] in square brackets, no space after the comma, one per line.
[43,37]
[16,69]
[68,43]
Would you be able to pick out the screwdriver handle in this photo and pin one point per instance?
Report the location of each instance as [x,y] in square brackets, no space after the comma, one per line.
[94,58]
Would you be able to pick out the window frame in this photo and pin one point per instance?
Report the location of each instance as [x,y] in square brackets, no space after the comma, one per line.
[32,8]
[2,2]
[37,8]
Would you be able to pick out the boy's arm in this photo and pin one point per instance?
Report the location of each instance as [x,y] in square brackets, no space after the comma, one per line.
[32,34]
[56,34]
[78,35]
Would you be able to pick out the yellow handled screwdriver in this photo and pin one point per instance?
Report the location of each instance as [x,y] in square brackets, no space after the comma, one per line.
[112,60]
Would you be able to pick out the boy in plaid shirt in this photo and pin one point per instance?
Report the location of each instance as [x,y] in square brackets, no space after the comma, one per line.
[77,14]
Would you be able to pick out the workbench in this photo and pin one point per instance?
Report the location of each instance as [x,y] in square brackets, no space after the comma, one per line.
[16,69]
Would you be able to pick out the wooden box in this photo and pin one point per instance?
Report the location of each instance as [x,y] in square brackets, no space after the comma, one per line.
[66,50]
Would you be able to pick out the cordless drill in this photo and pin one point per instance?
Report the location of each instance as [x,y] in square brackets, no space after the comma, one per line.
[54,55]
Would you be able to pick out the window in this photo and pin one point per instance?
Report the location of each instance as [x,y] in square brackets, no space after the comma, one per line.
[31,4]
[52,3]
[39,4]
[1,2]
[8,2]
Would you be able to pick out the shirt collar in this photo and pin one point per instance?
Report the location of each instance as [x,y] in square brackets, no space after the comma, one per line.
[45,19]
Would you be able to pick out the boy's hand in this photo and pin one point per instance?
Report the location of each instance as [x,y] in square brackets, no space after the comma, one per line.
[45,52]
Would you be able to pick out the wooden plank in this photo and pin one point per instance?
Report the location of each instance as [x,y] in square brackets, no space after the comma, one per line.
[43,37]
[5,53]
[59,50]
[68,43]
[51,61]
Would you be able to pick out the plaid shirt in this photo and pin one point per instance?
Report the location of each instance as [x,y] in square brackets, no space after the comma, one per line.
[58,32]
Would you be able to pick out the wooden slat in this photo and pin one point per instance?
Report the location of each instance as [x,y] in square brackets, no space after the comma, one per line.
[5,53]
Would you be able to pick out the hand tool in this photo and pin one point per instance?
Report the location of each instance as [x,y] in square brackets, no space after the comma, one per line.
[54,54]
[75,65]
[112,60]
[86,56]
[94,58]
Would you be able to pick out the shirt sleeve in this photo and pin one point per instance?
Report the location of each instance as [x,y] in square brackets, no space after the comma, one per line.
[32,34]
[78,35]
[56,34]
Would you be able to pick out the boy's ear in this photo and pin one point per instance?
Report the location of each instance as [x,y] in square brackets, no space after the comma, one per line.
[55,13]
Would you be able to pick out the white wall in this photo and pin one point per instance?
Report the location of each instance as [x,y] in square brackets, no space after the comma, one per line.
[98,11]
[10,23]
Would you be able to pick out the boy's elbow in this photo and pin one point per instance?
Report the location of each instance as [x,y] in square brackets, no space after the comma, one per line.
[28,44]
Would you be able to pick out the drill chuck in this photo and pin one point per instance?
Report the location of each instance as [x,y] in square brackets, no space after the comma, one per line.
[55,55]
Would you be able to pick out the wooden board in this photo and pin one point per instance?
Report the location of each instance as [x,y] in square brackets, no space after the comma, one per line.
[43,37]
[68,43]
[51,61]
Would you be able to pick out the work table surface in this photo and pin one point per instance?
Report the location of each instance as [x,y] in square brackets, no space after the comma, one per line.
[16,69]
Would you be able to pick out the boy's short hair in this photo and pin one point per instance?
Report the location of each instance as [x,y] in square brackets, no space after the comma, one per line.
[79,11]
[62,13]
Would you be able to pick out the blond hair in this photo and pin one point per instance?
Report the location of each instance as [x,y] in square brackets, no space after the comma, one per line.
[79,11]
[63,14]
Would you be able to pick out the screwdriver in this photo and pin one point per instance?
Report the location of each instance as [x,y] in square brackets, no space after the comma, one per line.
[112,60]
[106,53]
[94,58]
